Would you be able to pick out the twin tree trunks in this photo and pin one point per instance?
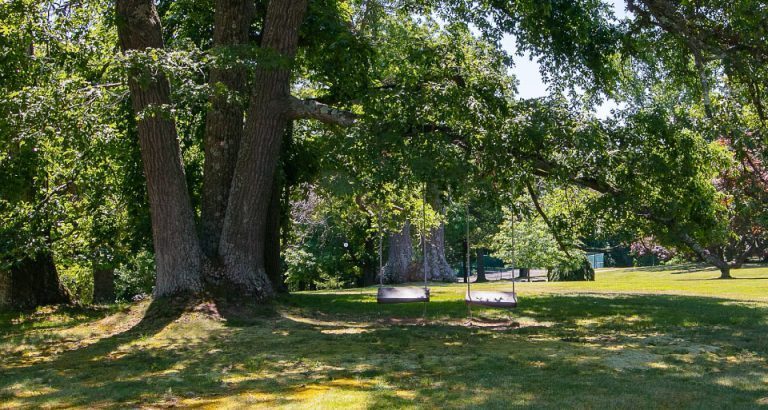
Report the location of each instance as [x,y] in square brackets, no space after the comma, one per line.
[401,266]
[229,254]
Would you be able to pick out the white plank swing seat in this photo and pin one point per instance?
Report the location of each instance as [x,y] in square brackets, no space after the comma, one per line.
[410,294]
[491,298]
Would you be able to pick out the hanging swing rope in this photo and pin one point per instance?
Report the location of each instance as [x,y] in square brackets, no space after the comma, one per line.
[423,228]
[469,261]
[424,244]
[381,246]
[513,254]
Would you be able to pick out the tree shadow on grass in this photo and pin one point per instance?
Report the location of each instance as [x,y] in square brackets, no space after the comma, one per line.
[677,269]
[318,350]
[719,279]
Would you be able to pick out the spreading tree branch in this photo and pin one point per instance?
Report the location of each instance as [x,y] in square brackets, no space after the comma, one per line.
[312,109]
[541,212]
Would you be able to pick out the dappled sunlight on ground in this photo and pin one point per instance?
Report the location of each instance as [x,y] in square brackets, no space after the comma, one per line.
[341,349]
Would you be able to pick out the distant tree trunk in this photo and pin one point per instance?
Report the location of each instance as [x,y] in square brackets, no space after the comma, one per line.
[464,259]
[224,120]
[272,241]
[5,289]
[437,266]
[104,285]
[481,265]
[400,256]
[242,240]
[34,282]
[177,248]
[370,266]
[707,256]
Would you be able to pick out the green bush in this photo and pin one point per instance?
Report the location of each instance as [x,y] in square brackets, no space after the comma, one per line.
[572,270]
[136,276]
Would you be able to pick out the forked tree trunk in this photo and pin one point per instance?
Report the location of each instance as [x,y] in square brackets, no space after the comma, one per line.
[32,282]
[399,256]
[104,285]
[242,241]
[177,249]
[224,120]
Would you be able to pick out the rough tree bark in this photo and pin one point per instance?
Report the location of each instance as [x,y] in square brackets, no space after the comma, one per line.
[242,241]
[437,266]
[399,256]
[224,120]
[104,285]
[177,249]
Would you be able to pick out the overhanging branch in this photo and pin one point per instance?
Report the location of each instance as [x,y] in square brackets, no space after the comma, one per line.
[312,109]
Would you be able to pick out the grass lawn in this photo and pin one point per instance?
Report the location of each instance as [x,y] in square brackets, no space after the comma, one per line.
[653,337]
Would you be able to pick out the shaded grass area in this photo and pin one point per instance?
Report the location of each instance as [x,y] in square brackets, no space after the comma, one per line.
[334,349]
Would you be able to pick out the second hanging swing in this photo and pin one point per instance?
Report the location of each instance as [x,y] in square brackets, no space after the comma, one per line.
[491,298]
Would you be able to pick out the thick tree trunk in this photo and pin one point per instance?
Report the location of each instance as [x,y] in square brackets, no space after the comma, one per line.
[104,285]
[242,240]
[32,282]
[437,266]
[481,266]
[224,120]
[399,256]
[177,249]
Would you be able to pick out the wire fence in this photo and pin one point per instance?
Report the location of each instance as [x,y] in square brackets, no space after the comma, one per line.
[499,274]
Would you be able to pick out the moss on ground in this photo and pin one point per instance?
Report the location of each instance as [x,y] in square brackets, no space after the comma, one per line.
[634,338]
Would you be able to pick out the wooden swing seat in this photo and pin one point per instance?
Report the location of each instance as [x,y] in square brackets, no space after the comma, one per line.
[410,294]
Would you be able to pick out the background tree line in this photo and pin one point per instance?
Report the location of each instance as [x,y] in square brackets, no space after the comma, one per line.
[230,146]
